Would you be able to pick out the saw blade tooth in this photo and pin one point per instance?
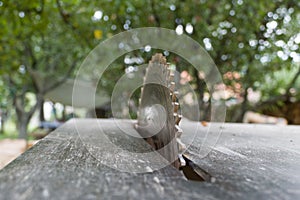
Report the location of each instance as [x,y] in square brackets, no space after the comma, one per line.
[172,86]
[158,58]
[181,145]
[175,115]
[178,130]
[175,106]
[181,160]
[140,100]
[142,90]
[180,115]
[174,97]
[177,119]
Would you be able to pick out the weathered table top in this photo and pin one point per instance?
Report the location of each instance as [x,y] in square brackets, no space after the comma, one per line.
[248,162]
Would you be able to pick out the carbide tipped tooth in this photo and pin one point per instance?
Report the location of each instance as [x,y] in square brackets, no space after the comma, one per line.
[181,160]
[181,145]
[172,86]
[176,106]
[178,131]
[173,97]
[178,128]
[175,115]
[177,119]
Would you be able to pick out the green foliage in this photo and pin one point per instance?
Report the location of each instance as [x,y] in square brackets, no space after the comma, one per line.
[254,39]
[275,84]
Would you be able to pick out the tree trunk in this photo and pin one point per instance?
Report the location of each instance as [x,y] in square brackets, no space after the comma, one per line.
[22,127]
[42,115]
[200,87]
[244,107]
[244,104]
[2,122]
[24,117]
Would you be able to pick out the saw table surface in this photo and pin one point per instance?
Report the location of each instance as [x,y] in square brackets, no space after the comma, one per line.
[248,162]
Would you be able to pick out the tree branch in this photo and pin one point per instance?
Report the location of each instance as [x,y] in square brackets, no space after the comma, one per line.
[62,80]
[292,83]
[39,99]
[33,66]
[66,19]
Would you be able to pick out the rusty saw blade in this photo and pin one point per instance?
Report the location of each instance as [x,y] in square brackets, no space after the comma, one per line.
[158,115]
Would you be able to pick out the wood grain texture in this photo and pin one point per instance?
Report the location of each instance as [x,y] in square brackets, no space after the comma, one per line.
[248,162]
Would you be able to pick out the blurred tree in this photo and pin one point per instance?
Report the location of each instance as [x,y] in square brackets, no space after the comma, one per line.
[5,105]
[36,42]
[248,38]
